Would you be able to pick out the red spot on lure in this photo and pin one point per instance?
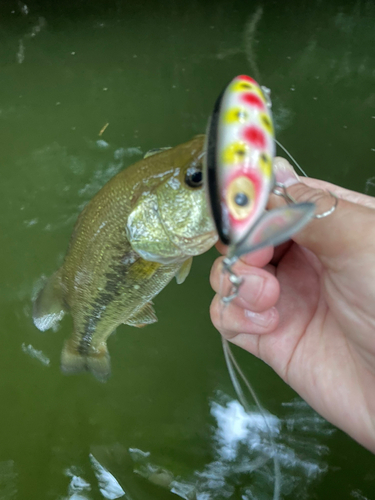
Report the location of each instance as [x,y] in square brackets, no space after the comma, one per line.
[247,79]
[255,136]
[253,100]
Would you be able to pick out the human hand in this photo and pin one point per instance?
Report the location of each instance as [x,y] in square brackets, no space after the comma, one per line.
[307,308]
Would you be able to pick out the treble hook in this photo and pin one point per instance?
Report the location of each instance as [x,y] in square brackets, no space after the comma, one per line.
[233,278]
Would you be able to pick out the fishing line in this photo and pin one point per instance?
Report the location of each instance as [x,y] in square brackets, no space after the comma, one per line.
[291,157]
[233,366]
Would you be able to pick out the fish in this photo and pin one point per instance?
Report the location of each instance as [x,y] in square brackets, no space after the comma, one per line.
[239,172]
[139,231]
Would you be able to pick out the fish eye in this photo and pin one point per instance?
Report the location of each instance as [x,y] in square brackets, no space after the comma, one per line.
[194,177]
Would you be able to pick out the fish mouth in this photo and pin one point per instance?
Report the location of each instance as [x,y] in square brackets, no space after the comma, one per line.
[196,245]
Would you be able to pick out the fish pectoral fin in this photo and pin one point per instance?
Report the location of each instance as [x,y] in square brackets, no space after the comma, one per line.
[184,271]
[144,316]
[48,308]
[96,361]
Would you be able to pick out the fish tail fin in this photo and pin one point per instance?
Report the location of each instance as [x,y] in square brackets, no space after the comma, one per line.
[48,307]
[99,363]
[71,359]
[96,362]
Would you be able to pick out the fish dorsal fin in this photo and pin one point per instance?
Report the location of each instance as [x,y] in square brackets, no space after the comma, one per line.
[155,151]
[275,227]
[184,271]
[145,316]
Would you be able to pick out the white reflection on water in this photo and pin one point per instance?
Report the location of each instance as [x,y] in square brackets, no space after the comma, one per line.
[108,484]
[242,464]
[236,426]
[35,353]
[109,487]
[358,494]
[77,486]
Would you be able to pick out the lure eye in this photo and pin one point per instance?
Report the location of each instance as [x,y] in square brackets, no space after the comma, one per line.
[194,177]
[240,197]
[241,200]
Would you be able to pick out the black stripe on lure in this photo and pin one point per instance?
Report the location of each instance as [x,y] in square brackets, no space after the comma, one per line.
[240,148]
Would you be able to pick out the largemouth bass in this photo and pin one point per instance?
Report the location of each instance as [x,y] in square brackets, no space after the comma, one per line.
[139,231]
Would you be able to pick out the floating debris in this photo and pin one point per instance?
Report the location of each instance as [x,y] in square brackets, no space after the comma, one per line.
[103,129]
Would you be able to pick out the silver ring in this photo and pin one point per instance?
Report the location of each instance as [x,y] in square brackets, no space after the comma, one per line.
[280,190]
[331,210]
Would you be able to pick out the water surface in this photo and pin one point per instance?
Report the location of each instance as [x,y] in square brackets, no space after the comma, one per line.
[167,423]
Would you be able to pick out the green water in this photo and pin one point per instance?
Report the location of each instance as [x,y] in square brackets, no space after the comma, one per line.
[152,70]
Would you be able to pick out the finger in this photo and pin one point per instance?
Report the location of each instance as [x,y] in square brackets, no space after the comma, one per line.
[338,234]
[232,320]
[286,174]
[223,249]
[344,231]
[258,259]
[258,291]
[345,194]
[280,251]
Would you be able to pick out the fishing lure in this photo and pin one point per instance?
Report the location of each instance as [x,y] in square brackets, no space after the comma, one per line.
[240,149]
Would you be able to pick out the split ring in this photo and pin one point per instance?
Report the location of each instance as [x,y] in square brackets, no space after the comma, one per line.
[331,210]
[280,190]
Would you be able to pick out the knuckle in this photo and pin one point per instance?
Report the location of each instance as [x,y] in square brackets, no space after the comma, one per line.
[303,193]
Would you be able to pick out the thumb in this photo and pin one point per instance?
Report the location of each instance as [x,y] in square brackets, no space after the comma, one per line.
[347,230]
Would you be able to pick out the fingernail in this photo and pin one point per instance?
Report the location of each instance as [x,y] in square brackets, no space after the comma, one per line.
[254,281]
[261,319]
[284,172]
